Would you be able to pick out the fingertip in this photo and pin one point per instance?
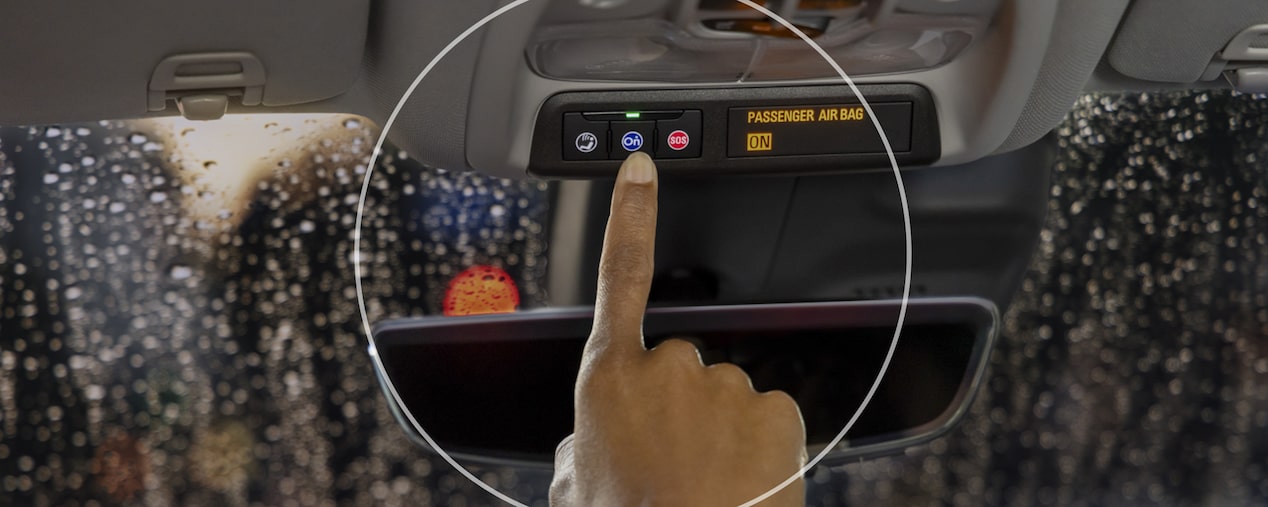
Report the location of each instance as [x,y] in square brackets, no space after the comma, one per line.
[638,169]
[635,191]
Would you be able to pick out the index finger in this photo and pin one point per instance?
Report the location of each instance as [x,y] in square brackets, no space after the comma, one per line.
[627,262]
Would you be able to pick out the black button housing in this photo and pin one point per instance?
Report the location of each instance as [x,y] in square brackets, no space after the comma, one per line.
[584,139]
[906,113]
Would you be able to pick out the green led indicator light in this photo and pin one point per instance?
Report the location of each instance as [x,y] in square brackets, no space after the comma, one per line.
[632,116]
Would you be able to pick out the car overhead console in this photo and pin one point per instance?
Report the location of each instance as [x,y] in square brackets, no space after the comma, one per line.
[713,41]
[786,130]
[948,81]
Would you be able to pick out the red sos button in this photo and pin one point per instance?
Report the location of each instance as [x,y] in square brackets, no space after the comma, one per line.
[677,140]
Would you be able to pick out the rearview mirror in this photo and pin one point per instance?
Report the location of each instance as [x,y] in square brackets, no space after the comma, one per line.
[499,388]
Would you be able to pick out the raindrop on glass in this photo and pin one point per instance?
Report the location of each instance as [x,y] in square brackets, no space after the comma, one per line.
[180,272]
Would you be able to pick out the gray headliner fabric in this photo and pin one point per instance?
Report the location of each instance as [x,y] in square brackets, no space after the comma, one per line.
[433,123]
[1195,31]
[94,61]
[1079,38]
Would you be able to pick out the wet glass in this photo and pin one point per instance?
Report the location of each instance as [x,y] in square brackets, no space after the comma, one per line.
[178,324]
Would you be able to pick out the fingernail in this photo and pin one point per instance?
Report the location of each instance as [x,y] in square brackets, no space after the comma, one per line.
[639,168]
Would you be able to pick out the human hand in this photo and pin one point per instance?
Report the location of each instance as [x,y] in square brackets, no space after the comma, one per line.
[657,427]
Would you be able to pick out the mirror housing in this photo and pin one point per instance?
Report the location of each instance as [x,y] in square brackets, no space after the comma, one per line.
[498,389]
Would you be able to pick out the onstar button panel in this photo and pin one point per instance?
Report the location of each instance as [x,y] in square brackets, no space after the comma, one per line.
[604,135]
[818,129]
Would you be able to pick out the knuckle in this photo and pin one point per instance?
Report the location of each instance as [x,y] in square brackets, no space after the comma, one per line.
[590,386]
[679,352]
[599,364]
[731,375]
[604,346]
[599,375]
[781,405]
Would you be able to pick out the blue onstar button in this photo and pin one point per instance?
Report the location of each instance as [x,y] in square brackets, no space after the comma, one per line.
[632,141]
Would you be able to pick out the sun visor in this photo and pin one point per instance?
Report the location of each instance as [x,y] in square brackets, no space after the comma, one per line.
[67,61]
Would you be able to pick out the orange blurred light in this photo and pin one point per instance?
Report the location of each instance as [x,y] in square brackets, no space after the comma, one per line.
[481,290]
[120,465]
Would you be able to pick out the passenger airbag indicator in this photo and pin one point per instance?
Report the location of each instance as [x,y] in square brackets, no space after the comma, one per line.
[759,141]
[828,129]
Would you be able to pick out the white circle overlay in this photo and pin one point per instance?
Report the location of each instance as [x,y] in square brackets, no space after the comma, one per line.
[902,195]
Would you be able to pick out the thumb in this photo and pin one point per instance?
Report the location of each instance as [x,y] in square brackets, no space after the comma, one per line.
[561,485]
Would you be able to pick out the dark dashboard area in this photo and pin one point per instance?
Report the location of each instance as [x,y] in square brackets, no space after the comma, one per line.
[522,371]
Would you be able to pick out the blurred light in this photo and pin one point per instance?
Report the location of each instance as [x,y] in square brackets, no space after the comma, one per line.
[481,290]
[222,161]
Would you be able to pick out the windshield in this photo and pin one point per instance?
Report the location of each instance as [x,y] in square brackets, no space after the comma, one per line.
[179,316]
[180,326]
